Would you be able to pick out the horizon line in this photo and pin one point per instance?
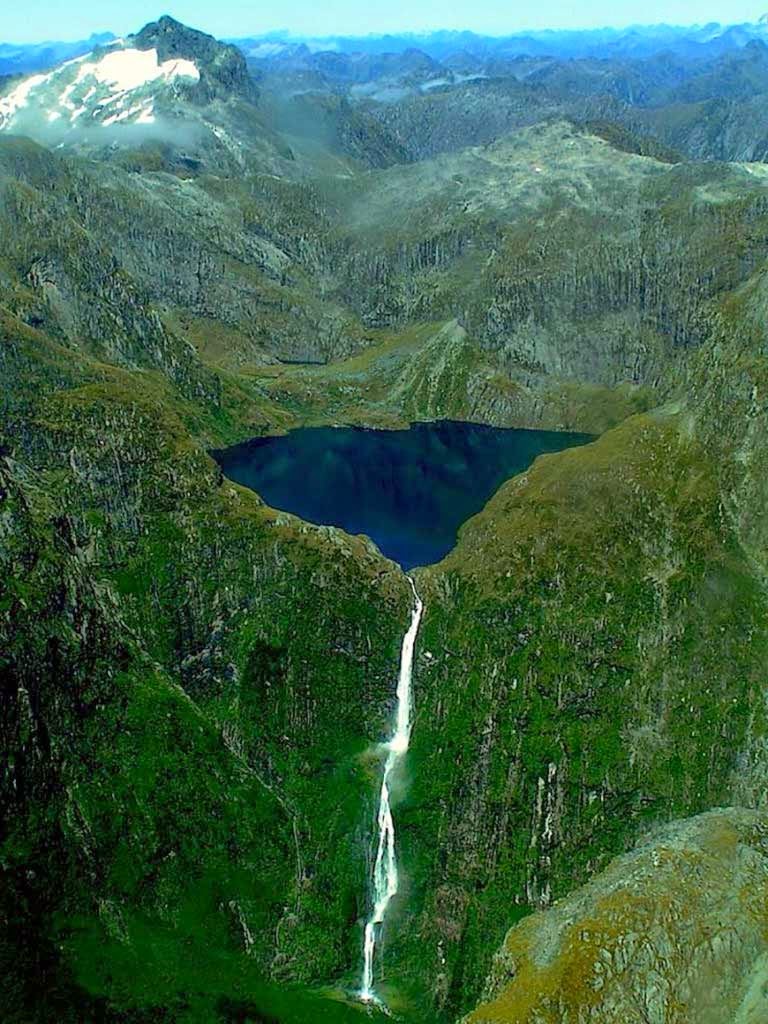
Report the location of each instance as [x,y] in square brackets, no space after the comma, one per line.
[286,33]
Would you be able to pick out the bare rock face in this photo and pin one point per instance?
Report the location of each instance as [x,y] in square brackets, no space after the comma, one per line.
[222,67]
[672,933]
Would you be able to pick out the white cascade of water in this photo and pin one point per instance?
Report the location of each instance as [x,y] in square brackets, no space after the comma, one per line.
[385,880]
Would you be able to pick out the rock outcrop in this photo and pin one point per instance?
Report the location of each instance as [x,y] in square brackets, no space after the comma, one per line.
[674,932]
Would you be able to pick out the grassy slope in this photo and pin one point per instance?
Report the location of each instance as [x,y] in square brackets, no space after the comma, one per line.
[222,787]
[436,371]
[596,648]
[673,930]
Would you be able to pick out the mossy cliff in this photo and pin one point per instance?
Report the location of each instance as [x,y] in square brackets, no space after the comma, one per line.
[673,931]
[192,683]
[592,661]
[133,840]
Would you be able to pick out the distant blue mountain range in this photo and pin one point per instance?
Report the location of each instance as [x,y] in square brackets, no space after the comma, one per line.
[23,58]
[637,42]
[703,41]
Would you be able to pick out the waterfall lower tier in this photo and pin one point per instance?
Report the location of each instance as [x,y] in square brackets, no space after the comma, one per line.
[385,879]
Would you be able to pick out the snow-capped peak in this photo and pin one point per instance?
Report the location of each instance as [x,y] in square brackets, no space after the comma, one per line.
[100,88]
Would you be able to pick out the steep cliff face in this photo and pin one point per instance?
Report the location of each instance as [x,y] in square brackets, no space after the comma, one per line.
[201,277]
[191,686]
[136,268]
[222,68]
[728,385]
[674,931]
[131,833]
[591,661]
[591,655]
[564,257]
[60,278]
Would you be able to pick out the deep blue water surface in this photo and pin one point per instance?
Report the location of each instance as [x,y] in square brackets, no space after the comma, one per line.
[409,490]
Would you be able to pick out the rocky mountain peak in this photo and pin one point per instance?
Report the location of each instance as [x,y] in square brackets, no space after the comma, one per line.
[222,67]
[160,84]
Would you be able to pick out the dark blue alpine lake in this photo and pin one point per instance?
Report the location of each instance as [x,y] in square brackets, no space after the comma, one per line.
[409,490]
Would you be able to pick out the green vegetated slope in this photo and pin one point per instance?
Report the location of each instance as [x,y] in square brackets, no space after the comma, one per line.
[193,683]
[128,823]
[574,268]
[728,387]
[674,931]
[592,661]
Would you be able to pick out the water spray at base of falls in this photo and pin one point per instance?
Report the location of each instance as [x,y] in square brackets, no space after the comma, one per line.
[385,879]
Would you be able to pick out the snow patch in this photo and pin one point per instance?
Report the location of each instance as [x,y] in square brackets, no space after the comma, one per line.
[141,112]
[18,98]
[124,70]
[84,84]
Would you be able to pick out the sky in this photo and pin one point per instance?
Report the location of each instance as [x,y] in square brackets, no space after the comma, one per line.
[36,20]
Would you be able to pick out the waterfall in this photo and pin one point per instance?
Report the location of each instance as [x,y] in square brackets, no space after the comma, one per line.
[385,879]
